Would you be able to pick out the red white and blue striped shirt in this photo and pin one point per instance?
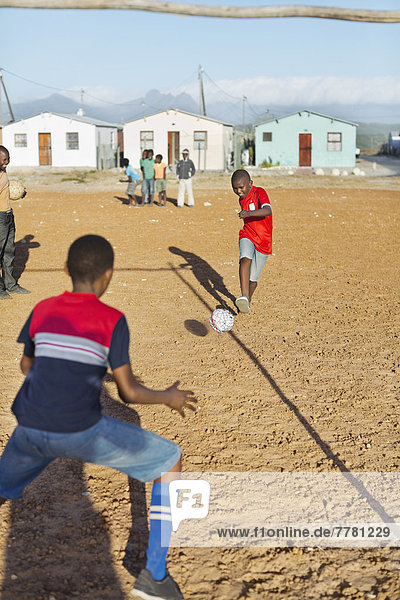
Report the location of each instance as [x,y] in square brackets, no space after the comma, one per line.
[73,338]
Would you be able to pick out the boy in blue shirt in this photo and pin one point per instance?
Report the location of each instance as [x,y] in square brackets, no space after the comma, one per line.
[68,342]
[132,180]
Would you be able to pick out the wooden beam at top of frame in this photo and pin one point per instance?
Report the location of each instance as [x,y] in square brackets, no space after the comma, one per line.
[231,12]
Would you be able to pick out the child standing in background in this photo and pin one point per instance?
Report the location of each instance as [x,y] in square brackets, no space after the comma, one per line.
[160,169]
[148,179]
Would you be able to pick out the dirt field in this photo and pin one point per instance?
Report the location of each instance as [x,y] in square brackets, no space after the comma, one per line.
[307,382]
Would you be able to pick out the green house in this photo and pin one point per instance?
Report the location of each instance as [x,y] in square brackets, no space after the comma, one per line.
[306,139]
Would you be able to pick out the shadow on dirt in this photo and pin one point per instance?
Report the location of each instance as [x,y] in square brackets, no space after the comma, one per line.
[324,446]
[56,523]
[22,248]
[209,278]
[125,200]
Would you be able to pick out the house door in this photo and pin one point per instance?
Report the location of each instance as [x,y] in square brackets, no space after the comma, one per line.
[44,148]
[173,147]
[305,150]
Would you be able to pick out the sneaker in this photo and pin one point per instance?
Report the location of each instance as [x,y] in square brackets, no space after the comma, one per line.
[149,589]
[243,304]
[4,295]
[18,289]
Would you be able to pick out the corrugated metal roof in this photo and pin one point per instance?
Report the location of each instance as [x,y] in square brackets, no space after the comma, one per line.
[89,120]
[74,117]
[185,112]
[311,112]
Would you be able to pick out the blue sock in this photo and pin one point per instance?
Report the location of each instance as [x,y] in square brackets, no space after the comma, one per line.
[160,518]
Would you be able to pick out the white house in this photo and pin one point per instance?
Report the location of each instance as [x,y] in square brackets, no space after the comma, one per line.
[168,132]
[62,141]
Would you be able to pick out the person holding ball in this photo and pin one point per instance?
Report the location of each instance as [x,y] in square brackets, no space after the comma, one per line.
[8,283]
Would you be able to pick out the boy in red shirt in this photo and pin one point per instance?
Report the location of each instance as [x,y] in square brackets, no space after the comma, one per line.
[255,238]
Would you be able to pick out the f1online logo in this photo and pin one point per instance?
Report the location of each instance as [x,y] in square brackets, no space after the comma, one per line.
[189,499]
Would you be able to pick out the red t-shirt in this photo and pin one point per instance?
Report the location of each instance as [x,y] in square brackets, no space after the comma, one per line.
[257,229]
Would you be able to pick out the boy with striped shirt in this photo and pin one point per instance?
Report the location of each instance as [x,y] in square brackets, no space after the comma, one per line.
[69,340]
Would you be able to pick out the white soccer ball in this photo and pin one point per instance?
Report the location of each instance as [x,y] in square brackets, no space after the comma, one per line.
[221,320]
[16,189]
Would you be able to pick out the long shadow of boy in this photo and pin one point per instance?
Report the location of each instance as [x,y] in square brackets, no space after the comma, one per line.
[211,281]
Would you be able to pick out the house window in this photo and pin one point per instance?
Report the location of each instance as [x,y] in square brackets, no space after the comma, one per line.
[334,142]
[20,140]
[146,140]
[267,136]
[200,140]
[72,141]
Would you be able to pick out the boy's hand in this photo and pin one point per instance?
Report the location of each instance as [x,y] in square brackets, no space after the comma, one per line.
[243,214]
[179,399]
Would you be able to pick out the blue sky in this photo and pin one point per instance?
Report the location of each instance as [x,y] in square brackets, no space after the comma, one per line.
[119,55]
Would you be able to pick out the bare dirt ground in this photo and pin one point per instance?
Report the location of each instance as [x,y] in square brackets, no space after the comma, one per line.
[308,382]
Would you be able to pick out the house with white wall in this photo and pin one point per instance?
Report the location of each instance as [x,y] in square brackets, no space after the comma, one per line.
[210,142]
[62,141]
[306,139]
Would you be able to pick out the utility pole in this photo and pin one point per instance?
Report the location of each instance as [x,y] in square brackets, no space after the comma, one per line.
[7,99]
[202,102]
[244,98]
[80,110]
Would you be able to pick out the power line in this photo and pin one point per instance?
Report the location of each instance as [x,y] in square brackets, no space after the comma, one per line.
[50,87]
[220,88]
[164,105]
[188,79]
[243,99]
[66,91]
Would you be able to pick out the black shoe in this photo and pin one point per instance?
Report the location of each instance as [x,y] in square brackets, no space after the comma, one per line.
[149,589]
[18,289]
[4,295]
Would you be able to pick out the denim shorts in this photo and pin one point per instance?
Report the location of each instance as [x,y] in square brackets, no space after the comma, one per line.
[123,446]
[148,187]
[258,260]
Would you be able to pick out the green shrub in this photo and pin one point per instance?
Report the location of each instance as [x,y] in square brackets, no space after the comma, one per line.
[266,164]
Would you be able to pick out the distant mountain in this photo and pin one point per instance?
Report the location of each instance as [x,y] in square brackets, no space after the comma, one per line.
[54,103]
[155,101]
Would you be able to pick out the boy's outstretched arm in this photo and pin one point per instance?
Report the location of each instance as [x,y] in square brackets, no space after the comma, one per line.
[132,392]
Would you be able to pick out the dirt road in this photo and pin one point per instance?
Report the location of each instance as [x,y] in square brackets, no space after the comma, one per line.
[318,354]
